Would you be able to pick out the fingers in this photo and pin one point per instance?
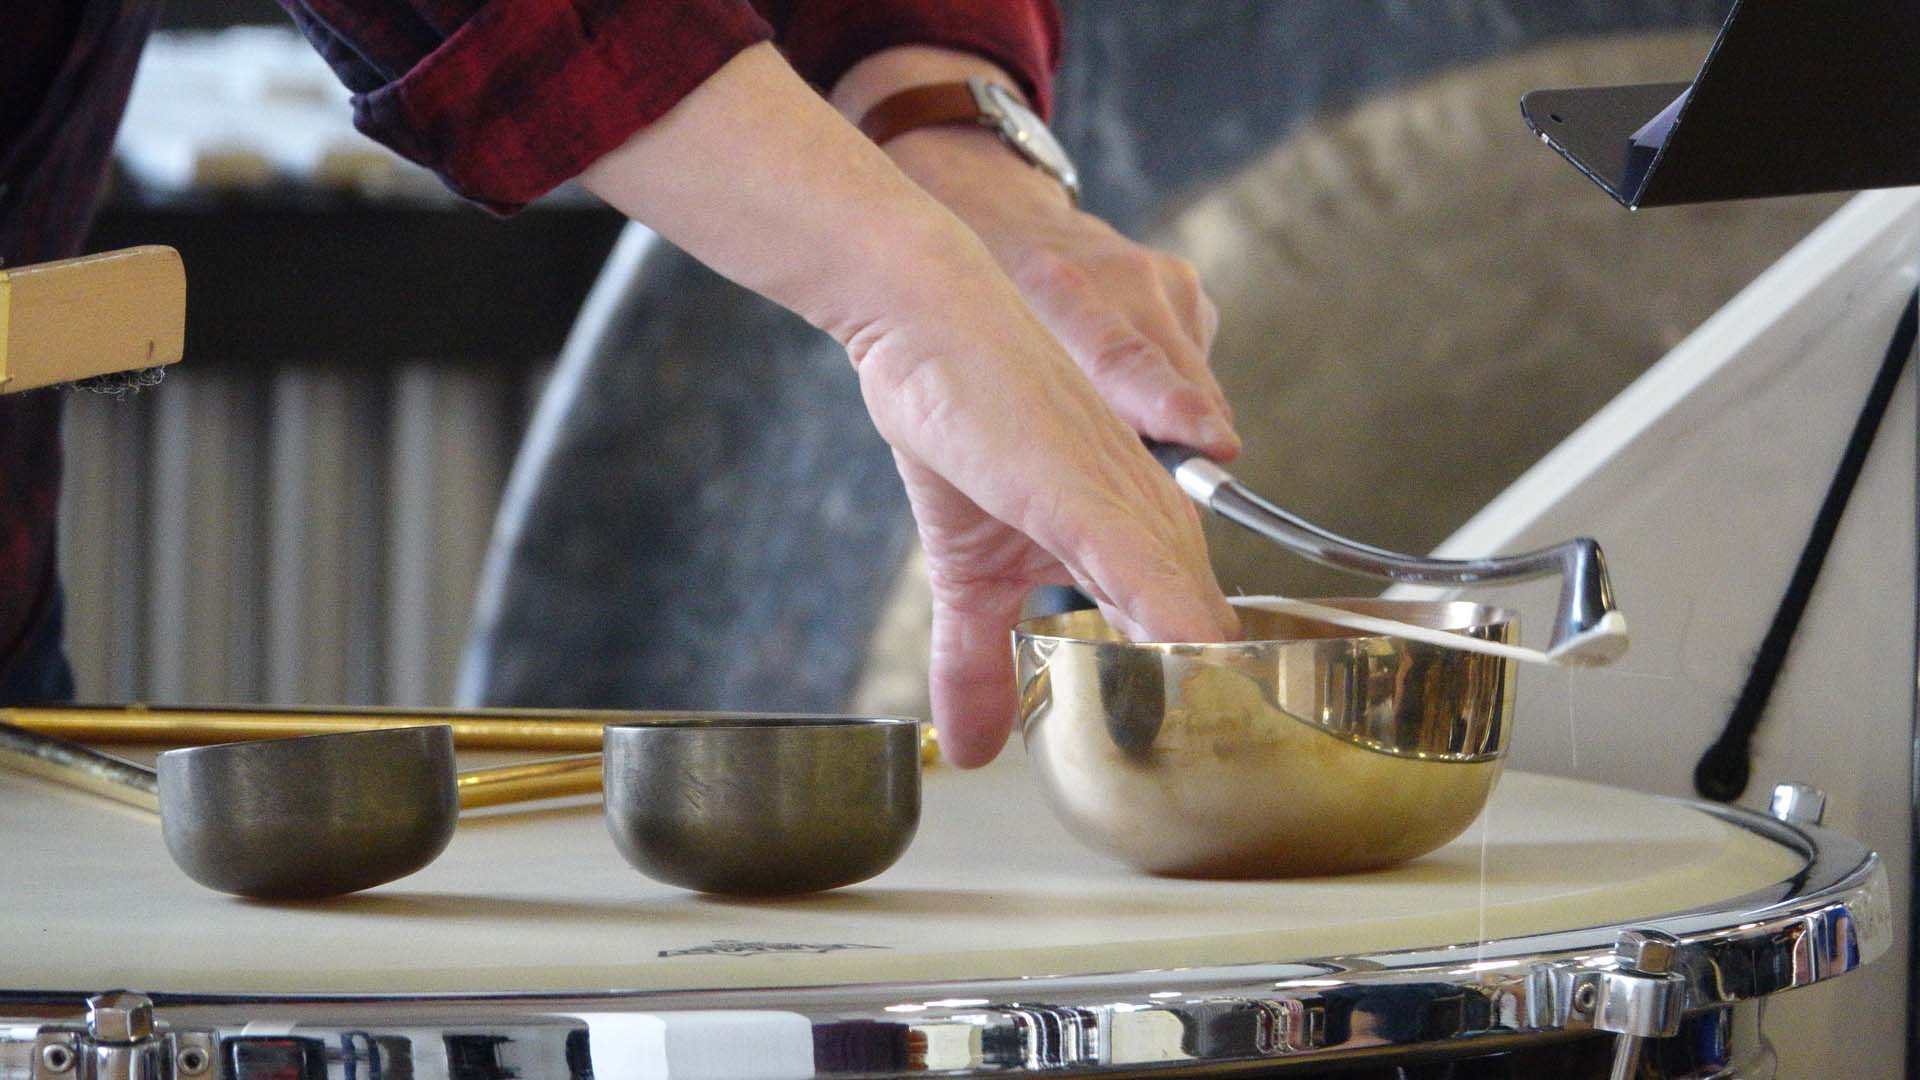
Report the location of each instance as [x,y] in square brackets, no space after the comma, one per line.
[1140,330]
[1131,540]
[1134,319]
[1180,282]
[1020,473]
[1140,556]
[1151,586]
[1027,442]
[971,678]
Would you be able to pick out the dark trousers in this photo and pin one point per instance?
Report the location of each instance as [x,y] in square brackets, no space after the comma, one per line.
[40,674]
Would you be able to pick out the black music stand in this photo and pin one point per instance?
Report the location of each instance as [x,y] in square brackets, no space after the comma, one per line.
[1795,97]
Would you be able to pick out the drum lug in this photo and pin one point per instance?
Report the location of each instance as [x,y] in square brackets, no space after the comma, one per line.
[121,1041]
[1798,804]
[1640,998]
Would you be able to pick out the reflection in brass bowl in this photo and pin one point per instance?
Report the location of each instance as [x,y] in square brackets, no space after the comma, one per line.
[1302,749]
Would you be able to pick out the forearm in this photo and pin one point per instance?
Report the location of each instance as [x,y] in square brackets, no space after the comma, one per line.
[761,180]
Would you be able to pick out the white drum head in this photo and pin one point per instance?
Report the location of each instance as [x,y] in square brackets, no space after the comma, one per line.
[537,900]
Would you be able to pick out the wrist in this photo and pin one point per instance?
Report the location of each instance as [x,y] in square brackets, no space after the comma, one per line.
[978,102]
[903,270]
[902,67]
[958,164]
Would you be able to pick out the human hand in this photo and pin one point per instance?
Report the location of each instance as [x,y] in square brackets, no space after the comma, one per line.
[1020,476]
[1019,473]
[1136,320]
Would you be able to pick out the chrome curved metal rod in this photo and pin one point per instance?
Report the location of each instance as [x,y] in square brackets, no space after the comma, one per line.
[1587,628]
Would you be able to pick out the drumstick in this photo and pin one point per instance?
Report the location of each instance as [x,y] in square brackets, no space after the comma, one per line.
[73,319]
[79,767]
[488,729]
[198,726]
[549,778]
[136,785]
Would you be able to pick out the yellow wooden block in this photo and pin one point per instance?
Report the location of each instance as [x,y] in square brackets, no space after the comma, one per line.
[94,315]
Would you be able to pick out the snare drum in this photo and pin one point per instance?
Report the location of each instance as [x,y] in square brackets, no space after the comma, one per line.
[1606,923]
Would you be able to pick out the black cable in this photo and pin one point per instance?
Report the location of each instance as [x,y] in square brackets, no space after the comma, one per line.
[1726,766]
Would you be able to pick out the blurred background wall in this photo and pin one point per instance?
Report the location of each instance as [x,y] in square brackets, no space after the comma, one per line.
[300,516]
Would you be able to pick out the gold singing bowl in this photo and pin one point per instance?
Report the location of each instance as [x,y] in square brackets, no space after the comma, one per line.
[1303,748]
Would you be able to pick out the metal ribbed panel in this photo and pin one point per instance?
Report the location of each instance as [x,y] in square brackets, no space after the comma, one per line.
[283,535]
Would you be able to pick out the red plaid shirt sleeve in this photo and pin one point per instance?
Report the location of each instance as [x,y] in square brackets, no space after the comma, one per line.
[506,99]
[823,38]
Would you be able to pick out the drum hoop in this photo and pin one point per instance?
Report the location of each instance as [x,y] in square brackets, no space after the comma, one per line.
[1823,921]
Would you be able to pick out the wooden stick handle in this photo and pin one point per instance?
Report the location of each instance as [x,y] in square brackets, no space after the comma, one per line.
[201,727]
[94,315]
[549,779]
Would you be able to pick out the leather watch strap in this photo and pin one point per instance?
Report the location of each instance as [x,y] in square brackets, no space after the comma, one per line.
[921,106]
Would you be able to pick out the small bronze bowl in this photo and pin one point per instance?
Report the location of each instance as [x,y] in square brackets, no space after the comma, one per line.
[762,806]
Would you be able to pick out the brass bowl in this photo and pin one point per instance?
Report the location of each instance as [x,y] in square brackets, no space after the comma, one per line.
[1304,748]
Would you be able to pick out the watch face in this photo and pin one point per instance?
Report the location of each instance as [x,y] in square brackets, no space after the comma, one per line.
[1026,131]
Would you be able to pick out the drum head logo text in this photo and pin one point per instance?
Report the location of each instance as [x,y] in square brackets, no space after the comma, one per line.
[729,947]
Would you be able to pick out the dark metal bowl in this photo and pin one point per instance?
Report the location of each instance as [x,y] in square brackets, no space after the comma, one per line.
[762,806]
[307,817]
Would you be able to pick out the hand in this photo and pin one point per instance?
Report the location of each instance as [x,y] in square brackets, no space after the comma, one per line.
[1020,476]
[1134,319]
[1019,473]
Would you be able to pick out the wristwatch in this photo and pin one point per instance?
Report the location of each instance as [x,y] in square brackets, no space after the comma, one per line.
[976,101]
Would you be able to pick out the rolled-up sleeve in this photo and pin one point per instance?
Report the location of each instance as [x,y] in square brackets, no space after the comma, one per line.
[506,99]
[823,38]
